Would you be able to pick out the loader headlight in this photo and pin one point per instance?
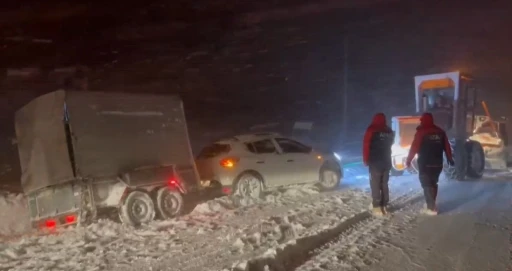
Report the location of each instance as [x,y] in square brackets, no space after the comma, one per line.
[398,150]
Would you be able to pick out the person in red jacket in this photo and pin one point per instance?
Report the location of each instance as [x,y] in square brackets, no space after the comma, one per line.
[429,144]
[377,143]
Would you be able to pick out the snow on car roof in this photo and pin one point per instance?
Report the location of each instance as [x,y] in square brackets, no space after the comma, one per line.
[248,137]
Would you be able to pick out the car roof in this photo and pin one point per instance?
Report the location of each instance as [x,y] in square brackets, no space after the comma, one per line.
[248,137]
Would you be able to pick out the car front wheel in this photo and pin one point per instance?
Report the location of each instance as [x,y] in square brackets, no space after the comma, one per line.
[329,179]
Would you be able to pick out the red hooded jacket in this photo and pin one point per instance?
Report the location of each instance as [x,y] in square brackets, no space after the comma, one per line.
[377,143]
[429,143]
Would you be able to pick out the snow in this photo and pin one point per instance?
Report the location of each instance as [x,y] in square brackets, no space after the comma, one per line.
[222,234]
[471,233]
[14,215]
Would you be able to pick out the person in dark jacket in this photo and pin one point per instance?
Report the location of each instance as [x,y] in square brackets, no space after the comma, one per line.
[429,144]
[377,156]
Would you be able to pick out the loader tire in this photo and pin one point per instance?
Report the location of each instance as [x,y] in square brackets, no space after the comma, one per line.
[476,159]
[459,170]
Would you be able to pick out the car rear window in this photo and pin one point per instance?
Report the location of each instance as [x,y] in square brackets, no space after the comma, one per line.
[214,150]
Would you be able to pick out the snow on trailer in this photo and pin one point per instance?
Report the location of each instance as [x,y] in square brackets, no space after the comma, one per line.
[81,152]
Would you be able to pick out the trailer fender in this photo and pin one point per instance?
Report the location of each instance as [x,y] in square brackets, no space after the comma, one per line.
[115,193]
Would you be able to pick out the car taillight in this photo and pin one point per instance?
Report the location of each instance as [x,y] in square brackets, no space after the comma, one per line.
[70,219]
[50,224]
[229,162]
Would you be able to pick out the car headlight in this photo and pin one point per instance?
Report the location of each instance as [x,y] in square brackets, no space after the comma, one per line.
[337,156]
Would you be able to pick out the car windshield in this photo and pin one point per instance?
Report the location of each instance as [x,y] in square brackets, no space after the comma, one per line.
[214,150]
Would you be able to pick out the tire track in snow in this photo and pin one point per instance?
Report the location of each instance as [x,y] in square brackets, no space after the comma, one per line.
[349,250]
[296,253]
[361,248]
[257,232]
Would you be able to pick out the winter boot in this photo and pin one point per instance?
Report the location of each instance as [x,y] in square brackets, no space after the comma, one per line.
[430,212]
[385,210]
[435,190]
[377,211]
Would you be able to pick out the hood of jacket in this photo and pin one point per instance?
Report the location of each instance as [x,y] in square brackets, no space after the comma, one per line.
[379,120]
[427,120]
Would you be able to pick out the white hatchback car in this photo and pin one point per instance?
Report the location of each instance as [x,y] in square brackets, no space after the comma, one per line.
[247,164]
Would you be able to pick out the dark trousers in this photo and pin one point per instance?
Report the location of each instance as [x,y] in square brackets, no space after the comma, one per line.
[429,179]
[379,180]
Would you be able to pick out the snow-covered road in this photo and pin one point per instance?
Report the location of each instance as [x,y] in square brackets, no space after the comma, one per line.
[217,235]
[473,232]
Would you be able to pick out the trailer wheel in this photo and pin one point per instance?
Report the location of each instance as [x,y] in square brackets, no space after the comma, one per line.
[137,208]
[476,160]
[169,203]
[458,171]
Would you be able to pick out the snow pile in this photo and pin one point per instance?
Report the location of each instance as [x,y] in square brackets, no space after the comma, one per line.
[219,234]
[216,235]
[14,217]
[232,202]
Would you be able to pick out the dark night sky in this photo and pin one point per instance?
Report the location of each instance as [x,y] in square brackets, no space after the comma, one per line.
[230,59]
[241,63]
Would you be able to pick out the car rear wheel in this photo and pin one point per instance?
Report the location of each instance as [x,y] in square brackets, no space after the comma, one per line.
[137,208]
[249,185]
[329,179]
[169,203]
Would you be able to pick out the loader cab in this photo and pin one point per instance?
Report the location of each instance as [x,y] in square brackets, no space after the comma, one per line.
[451,99]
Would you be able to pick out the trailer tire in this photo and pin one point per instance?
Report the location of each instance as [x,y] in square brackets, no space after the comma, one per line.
[169,203]
[137,208]
[476,159]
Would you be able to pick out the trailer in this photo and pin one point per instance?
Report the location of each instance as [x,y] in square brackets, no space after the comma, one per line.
[84,153]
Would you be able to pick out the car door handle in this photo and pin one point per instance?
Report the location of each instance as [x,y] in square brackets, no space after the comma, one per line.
[260,162]
[289,160]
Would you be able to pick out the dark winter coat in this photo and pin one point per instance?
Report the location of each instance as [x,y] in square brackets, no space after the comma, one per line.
[377,144]
[429,143]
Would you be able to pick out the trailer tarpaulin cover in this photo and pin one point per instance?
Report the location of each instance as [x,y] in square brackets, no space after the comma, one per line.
[42,147]
[117,132]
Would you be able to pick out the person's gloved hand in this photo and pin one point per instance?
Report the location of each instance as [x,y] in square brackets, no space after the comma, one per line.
[451,163]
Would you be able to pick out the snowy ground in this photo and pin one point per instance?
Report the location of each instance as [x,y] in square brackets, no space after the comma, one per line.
[217,235]
[472,232]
